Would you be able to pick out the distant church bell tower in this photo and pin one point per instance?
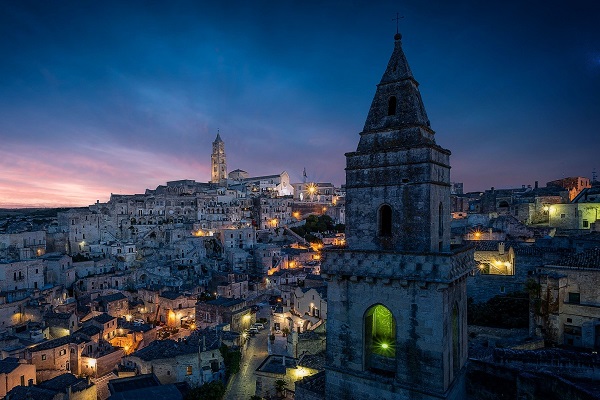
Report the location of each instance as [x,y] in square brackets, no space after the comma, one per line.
[218,161]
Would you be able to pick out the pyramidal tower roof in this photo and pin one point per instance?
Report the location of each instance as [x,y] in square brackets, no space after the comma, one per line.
[397,107]
[218,138]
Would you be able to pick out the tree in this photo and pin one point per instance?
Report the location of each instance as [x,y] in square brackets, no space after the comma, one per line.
[231,358]
[280,385]
[214,390]
[285,331]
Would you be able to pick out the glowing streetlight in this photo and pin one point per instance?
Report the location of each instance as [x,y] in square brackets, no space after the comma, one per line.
[311,189]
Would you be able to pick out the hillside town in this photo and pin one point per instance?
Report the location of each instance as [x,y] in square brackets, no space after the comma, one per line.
[157,283]
[226,286]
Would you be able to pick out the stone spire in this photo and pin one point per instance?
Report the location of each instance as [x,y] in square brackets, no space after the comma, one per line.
[397,106]
[218,161]
[398,178]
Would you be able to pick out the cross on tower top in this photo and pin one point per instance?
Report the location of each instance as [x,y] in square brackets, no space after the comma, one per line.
[397,19]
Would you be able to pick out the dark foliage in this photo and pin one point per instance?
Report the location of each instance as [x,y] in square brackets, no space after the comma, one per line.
[507,311]
[214,390]
[232,359]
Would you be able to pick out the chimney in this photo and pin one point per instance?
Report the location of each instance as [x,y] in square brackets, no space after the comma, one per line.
[501,248]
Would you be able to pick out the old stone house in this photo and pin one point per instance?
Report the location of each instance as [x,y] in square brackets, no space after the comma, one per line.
[224,310]
[15,372]
[62,387]
[195,359]
[115,304]
[569,311]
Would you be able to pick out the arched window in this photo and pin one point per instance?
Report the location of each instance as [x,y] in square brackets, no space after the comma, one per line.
[380,340]
[385,220]
[455,340]
[392,106]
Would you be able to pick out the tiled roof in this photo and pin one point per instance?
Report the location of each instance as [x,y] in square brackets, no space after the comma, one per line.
[160,349]
[520,248]
[314,383]
[8,365]
[88,331]
[170,295]
[153,392]
[30,392]
[52,344]
[225,302]
[316,361]
[112,297]
[588,259]
[60,382]
[54,315]
[103,318]
[133,383]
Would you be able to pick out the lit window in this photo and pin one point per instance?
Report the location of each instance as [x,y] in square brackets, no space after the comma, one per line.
[380,340]
[189,370]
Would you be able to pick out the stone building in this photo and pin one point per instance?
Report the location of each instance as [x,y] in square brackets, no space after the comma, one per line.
[218,161]
[25,244]
[569,311]
[15,372]
[272,212]
[397,300]
[278,184]
[28,274]
[62,387]
[195,359]
[224,311]
[574,185]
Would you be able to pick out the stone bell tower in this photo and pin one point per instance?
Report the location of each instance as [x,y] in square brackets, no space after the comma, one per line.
[218,161]
[397,303]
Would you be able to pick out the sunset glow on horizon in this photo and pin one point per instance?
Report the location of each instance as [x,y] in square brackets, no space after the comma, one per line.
[95,101]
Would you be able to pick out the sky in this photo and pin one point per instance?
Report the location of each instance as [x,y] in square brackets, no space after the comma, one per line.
[101,97]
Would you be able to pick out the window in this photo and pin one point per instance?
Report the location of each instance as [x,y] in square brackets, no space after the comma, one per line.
[62,352]
[586,223]
[380,340]
[574,298]
[22,380]
[188,370]
[392,106]
[385,220]
[43,357]
[563,215]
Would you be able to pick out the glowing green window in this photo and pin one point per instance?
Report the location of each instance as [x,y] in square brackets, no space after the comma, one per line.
[380,339]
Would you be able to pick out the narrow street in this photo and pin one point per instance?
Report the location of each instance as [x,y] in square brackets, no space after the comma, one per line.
[243,384]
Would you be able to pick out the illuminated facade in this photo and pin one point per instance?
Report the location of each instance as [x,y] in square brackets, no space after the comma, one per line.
[218,161]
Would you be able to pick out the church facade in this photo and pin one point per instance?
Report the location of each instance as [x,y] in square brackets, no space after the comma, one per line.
[397,300]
